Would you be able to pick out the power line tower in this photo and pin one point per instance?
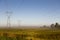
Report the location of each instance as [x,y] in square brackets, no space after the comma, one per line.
[8,14]
[19,23]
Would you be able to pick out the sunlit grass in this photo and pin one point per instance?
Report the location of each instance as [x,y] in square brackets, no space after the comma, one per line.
[29,34]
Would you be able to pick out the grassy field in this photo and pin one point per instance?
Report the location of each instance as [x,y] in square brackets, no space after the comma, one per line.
[29,34]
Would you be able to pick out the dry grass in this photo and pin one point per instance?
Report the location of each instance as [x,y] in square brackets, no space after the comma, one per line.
[29,34]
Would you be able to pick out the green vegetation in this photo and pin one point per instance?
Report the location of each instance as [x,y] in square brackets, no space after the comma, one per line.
[29,34]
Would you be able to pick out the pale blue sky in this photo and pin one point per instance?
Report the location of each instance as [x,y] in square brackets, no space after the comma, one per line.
[30,12]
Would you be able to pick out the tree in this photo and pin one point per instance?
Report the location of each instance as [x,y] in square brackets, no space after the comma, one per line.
[52,25]
[56,25]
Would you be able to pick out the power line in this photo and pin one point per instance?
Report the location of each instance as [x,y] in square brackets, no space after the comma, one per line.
[19,4]
[8,14]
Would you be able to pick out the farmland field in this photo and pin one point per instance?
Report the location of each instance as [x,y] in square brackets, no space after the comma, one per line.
[29,34]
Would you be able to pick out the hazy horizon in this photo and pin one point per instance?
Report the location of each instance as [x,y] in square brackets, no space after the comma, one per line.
[30,12]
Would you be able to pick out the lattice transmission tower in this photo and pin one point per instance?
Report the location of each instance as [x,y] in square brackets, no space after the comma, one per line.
[8,13]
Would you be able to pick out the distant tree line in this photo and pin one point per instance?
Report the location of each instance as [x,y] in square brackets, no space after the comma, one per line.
[56,25]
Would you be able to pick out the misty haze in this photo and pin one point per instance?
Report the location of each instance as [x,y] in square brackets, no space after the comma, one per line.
[29,19]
